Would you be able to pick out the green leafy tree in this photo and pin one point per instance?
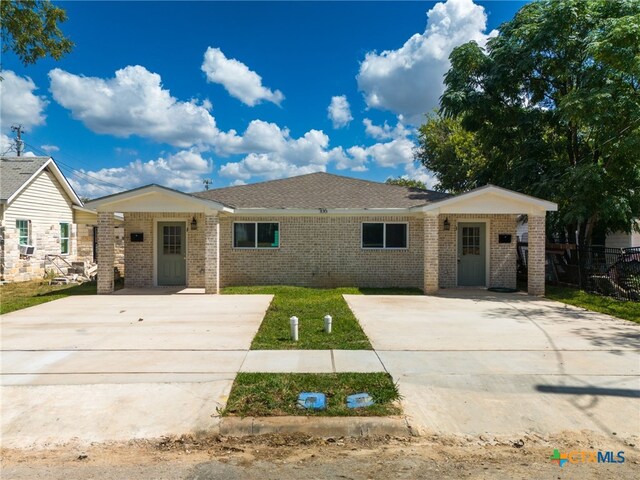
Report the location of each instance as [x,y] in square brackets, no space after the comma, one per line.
[453,153]
[553,107]
[406,182]
[30,28]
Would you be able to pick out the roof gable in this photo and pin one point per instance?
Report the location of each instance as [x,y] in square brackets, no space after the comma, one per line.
[321,190]
[491,199]
[154,198]
[16,173]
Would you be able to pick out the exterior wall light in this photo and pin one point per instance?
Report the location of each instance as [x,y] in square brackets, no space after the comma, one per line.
[446,225]
[194,224]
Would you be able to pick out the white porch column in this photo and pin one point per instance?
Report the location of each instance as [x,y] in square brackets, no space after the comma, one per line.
[211,254]
[106,253]
[431,265]
[536,255]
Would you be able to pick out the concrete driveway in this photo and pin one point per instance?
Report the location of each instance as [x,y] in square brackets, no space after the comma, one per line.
[163,363]
[470,362]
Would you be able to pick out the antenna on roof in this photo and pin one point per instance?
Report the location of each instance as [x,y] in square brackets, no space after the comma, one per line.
[18,140]
[207,182]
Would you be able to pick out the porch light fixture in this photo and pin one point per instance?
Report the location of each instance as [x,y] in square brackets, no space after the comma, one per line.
[446,225]
[194,224]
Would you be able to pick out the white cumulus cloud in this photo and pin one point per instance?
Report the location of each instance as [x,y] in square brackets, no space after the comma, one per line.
[415,171]
[50,148]
[385,131]
[398,151]
[237,79]
[339,111]
[183,171]
[134,102]
[273,153]
[408,81]
[19,105]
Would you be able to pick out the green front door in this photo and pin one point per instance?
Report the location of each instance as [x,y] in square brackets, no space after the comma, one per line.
[471,254]
[172,254]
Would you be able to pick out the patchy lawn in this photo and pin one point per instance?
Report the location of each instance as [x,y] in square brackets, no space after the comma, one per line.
[275,394]
[597,303]
[15,296]
[310,305]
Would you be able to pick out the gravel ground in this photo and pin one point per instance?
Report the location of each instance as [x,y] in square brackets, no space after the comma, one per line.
[303,457]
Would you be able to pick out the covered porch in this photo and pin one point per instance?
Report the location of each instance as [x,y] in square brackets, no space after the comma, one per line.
[470,240]
[171,239]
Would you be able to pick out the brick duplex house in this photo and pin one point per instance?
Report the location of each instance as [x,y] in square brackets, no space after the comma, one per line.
[321,230]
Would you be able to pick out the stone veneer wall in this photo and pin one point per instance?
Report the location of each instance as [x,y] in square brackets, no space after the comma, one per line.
[46,238]
[502,257]
[322,251]
[139,255]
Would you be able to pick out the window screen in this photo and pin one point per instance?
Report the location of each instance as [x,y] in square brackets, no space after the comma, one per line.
[384,235]
[256,235]
[373,235]
[396,235]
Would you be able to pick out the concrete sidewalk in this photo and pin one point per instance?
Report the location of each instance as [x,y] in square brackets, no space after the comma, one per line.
[312,361]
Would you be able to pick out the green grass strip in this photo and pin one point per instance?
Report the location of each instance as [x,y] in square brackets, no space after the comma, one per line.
[310,305]
[597,303]
[276,394]
[19,295]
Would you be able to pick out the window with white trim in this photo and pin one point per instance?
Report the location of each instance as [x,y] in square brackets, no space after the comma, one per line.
[256,235]
[385,235]
[65,232]
[24,234]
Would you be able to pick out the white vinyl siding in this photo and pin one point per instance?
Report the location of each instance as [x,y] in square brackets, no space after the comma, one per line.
[44,202]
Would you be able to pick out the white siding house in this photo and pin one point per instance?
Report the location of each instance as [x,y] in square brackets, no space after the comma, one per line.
[37,216]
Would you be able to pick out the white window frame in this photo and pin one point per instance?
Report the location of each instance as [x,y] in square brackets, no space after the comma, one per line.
[255,240]
[68,239]
[28,231]
[384,236]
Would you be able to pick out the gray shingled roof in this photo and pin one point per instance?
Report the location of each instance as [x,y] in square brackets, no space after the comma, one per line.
[321,190]
[15,171]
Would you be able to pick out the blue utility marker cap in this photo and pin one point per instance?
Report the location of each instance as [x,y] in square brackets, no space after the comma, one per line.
[359,400]
[312,401]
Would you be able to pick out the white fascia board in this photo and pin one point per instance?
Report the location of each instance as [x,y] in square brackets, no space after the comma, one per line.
[116,203]
[116,215]
[448,205]
[322,212]
[75,200]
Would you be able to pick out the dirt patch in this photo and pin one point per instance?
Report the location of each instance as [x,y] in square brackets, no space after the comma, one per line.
[288,456]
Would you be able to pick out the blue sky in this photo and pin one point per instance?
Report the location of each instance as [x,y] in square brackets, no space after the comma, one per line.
[176,92]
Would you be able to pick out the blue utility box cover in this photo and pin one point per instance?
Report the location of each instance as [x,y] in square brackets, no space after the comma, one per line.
[312,400]
[359,400]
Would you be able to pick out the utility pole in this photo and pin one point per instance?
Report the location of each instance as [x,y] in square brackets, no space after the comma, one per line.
[19,143]
[207,182]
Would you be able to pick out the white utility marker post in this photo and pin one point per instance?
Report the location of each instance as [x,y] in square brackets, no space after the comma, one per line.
[327,323]
[294,328]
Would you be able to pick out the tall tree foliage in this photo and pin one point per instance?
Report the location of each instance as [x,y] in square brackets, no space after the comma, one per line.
[554,106]
[30,28]
[406,182]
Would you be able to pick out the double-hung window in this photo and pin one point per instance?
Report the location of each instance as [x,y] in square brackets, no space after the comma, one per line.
[384,235]
[64,238]
[22,226]
[256,235]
